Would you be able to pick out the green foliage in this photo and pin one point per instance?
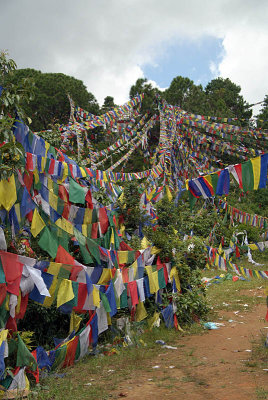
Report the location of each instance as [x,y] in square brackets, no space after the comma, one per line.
[143,86]
[188,256]
[101,197]
[190,306]
[51,104]
[46,323]
[52,136]
[184,93]
[224,99]
[108,104]
[194,252]
[262,117]
[253,202]
[13,96]
[128,207]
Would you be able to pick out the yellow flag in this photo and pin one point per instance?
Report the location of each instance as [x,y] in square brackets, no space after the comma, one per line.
[135,267]
[105,177]
[84,229]
[174,274]
[65,292]
[155,250]
[54,268]
[65,225]
[153,282]
[149,269]
[96,296]
[3,336]
[256,166]
[154,321]
[105,276]
[140,312]
[49,300]
[18,303]
[47,146]
[83,172]
[8,193]
[53,200]
[109,319]
[36,176]
[145,243]
[65,172]
[87,216]
[168,192]
[75,321]
[17,209]
[112,238]
[122,257]
[37,223]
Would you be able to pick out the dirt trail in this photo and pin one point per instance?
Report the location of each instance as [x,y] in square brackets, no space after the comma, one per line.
[210,366]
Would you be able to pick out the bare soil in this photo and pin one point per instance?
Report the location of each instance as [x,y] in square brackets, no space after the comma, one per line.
[210,366]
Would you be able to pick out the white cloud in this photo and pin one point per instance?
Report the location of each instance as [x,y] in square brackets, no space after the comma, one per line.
[106,42]
[155,85]
[246,61]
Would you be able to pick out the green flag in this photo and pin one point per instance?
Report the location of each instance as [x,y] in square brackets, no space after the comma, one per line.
[24,357]
[76,192]
[48,242]
[247,176]
[105,302]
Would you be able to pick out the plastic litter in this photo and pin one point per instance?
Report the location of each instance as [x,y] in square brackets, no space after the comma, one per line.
[210,325]
[169,347]
[160,342]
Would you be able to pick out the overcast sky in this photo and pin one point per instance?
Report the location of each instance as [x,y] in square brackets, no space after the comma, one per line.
[110,43]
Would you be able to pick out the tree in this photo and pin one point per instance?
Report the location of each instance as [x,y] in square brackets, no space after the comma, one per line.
[179,91]
[51,104]
[224,99]
[143,86]
[108,104]
[262,117]
[12,98]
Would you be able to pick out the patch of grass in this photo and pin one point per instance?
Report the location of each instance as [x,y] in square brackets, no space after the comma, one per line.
[228,295]
[187,378]
[90,377]
[259,354]
[261,393]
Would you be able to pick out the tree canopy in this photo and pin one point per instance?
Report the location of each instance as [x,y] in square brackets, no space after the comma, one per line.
[262,118]
[50,104]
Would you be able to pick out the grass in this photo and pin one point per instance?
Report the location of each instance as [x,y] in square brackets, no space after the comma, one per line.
[259,354]
[258,256]
[261,393]
[92,377]
[229,295]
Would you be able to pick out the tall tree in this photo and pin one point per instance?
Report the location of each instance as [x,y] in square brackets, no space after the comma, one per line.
[224,99]
[262,117]
[185,94]
[143,86]
[108,104]
[51,104]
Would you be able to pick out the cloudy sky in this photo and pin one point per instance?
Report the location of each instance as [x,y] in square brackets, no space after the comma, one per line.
[110,43]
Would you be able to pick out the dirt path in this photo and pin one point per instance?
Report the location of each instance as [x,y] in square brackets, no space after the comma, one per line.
[210,366]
